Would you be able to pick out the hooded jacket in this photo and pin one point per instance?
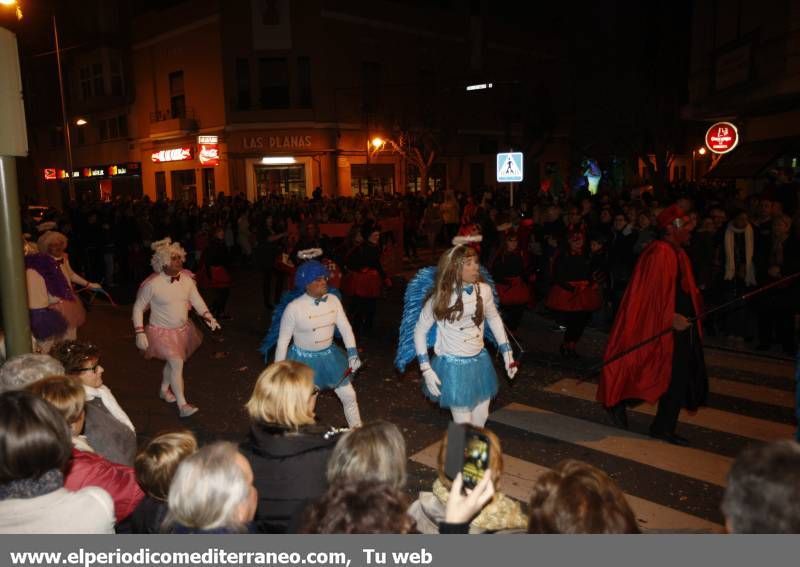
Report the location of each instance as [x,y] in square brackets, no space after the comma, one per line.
[288,470]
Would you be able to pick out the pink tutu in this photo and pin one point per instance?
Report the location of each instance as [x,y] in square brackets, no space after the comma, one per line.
[166,343]
[72,310]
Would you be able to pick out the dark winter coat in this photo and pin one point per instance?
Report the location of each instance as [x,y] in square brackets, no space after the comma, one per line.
[288,469]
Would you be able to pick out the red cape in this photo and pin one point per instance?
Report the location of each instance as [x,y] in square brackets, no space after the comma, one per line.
[647,309]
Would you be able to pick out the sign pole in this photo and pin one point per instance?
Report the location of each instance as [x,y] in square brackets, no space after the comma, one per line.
[512,195]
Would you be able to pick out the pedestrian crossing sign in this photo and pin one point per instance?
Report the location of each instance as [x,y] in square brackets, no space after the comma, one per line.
[509,167]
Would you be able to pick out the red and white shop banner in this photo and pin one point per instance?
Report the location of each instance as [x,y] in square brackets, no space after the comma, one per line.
[173,154]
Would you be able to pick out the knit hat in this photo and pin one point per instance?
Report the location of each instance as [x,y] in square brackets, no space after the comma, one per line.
[308,272]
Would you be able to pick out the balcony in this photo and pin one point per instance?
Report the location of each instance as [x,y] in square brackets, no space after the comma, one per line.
[169,123]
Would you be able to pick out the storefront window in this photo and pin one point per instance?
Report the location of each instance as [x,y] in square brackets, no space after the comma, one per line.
[280,180]
[208,185]
[184,186]
[372,179]
[437,179]
[161,186]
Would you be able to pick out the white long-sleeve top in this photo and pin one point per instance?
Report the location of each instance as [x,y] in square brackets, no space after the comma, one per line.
[312,325]
[169,301]
[461,337]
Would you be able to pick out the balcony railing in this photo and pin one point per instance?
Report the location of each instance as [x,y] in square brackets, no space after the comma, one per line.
[170,114]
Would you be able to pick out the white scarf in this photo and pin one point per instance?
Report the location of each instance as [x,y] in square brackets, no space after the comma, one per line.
[110,402]
[81,443]
[730,267]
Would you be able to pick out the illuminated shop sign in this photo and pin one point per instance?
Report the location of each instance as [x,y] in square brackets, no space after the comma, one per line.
[208,150]
[722,137]
[174,154]
[93,172]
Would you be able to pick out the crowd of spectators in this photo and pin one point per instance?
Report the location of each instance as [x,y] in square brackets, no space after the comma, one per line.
[68,454]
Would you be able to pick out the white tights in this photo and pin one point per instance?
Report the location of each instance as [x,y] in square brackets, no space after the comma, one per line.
[347,395]
[173,378]
[476,416]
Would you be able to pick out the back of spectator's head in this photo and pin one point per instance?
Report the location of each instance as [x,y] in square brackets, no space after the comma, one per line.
[359,508]
[74,355]
[764,490]
[374,452]
[577,498]
[495,457]
[24,369]
[282,395]
[212,489]
[63,393]
[157,462]
[34,438]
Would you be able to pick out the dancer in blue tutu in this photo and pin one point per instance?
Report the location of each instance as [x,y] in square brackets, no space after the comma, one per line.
[309,322]
[456,305]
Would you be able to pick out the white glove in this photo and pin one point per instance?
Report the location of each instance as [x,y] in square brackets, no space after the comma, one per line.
[94,286]
[141,341]
[508,358]
[432,381]
[211,322]
[355,363]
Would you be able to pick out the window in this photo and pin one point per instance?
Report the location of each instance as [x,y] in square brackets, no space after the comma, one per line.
[372,179]
[97,79]
[80,137]
[183,186]
[304,82]
[177,98]
[208,185]
[116,78]
[57,138]
[273,75]
[113,128]
[161,186]
[370,85]
[103,130]
[243,101]
[86,82]
[122,122]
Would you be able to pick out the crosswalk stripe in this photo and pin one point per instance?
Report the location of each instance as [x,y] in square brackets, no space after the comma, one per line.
[686,461]
[761,394]
[710,418]
[519,477]
[739,361]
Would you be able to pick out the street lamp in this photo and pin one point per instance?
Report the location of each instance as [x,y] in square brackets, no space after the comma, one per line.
[377,143]
[81,122]
[699,151]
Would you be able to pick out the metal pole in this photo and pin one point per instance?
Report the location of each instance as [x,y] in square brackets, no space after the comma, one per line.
[67,137]
[13,288]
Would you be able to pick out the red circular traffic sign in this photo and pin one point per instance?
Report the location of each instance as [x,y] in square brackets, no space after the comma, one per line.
[722,137]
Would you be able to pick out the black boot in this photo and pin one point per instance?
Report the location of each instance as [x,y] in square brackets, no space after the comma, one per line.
[619,415]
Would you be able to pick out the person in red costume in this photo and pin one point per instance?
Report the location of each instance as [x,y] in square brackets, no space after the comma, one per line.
[670,370]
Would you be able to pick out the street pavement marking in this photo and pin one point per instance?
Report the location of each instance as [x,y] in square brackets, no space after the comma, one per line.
[519,477]
[694,463]
[750,363]
[710,418]
[761,394]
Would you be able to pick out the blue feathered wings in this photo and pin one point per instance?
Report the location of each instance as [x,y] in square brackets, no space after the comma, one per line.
[417,293]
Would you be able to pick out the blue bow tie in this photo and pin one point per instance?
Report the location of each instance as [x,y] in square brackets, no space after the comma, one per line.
[322,299]
[469,289]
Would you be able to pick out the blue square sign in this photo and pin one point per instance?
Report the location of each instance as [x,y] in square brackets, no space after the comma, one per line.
[509,167]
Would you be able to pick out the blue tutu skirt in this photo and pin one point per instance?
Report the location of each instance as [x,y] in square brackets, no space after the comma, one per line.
[328,364]
[466,380]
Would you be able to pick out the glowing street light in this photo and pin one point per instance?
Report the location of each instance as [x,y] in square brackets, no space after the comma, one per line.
[81,122]
[14,4]
[377,142]
[702,151]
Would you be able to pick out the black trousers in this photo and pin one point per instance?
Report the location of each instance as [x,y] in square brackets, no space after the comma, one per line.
[362,313]
[575,322]
[219,300]
[688,385]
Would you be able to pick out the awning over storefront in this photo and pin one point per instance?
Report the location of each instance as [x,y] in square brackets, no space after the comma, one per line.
[753,159]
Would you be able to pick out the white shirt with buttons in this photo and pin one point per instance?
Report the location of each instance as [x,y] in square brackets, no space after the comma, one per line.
[461,337]
[312,324]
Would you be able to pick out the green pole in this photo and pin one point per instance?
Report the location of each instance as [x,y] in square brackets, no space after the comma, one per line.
[13,288]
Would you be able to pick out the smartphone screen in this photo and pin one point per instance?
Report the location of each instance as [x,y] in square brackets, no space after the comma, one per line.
[476,459]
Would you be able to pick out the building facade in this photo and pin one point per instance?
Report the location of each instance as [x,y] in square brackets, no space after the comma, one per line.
[280,96]
[745,68]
